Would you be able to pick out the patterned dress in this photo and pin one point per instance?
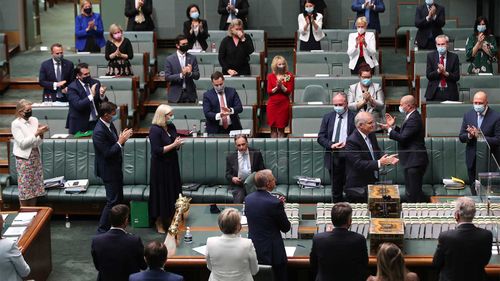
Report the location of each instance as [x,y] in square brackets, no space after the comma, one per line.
[30,176]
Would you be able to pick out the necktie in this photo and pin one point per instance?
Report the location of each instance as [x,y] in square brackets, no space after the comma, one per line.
[225,123]
[361,51]
[337,132]
[443,79]
[58,78]
[183,64]
[480,119]
[113,130]
[368,142]
[92,110]
[367,14]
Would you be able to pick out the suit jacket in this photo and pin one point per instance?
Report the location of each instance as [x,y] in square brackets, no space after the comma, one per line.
[452,67]
[304,34]
[155,275]
[131,12]
[23,133]
[230,257]
[356,94]
[463,253]
[80,106]
[173,70]
[411,143]
[12,264]
[325,134]
[266,220]
[108,153]
[349,261]
[428,30]
[117,254]
[211,107]
[192,37]
[374,22]
[256,163]
[491,131]
[47,77]
[81,23]
[369,51]
[241,5]
[360,166]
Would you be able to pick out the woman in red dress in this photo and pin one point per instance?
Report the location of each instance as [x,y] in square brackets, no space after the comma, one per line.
[280,84]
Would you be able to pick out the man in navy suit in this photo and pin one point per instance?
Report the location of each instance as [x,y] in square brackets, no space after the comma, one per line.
[85,96]
[155,255]
[429,19]
[463,253]
[232,9]
[363,159]
[411,147]
[481,119]
[55,75]
[369,9]
[117,253]
[335,128]
[443,72]
[181,69]
[108,145]
[266,220]
[221,106]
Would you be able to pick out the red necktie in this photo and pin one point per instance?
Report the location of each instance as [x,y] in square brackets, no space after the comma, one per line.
[225,124]
[443,79]
[361,52]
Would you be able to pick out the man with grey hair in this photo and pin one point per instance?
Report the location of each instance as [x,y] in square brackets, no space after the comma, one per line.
[266,220]
[443,72]
[363,158]
[462,253]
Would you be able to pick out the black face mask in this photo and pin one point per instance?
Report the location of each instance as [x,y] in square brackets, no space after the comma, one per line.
[28,114]
[87,80]
[184,48]
[88,11]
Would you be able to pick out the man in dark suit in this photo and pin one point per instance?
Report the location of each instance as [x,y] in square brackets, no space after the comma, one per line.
[363,158]
[411,147]
[240,164]
[221,106]
[481,119]
[369,9]
[55,75]
[335,128]
[85,95]
[462,253]
[350,259]
[232,9]
[116,253]
[108,145]
[266,220]
[443,72]
[155,255]
[181,69]
[429,19]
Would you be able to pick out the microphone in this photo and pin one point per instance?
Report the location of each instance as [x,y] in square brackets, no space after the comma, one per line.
[114,95]
[78,61]
[244,89]
[48,127]
[327,65]
[187,125]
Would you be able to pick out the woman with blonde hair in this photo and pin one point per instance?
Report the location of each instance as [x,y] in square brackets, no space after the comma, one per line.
[118,52]
[361,47]
[89,30]
[235,50]
[280,85]
[28,135]
[391,265]
[165,183]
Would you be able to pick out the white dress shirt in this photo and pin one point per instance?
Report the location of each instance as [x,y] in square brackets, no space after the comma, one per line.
[231,110]
[244,167]
[343,127]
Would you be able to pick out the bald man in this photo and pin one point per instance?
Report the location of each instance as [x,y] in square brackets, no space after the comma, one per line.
[411,147]
[480,118]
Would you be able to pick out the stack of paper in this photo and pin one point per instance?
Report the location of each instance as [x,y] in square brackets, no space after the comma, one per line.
[23,218]
[14,231]
[57,182]
[76,186]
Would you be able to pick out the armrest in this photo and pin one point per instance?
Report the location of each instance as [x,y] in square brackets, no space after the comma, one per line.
[4,180]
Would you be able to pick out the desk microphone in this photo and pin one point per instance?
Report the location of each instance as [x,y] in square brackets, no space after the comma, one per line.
[48,126]
[244,89]
[327,65]
[114,95]
[135,35]
[187,125]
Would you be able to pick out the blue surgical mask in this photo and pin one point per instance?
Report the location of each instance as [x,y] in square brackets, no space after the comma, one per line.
[339,109]
[309,9]
[481,28]
[115,117]
[171,119]
[441,50]
[195,15]
[366,81]
[401,109]
[479,108]
[429,2]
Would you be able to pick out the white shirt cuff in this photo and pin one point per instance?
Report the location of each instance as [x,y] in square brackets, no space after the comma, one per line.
[389,130]
[217,116]
[236,11]
[91,97]
[362,6]
[378,163]
[54,86]
[119,145]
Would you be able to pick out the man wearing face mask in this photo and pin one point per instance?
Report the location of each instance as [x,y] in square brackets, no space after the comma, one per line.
[232,9]
[221,106]
[481,119]
[335,128]
[366,95]
[429,19]
[55,75]
[443,72]
[181,69]
[85,95]
[411,147]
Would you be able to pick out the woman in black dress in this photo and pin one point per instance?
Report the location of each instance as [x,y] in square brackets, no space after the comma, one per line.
[139,13]
[310,27]
[118,53]
[165,185]
[235,50]
[195,29]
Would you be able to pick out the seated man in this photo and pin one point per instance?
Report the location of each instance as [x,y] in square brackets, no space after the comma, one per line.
[155,255]
[55,75]
[366,95]
[240,164]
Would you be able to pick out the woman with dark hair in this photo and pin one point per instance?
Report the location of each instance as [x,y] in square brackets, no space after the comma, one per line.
[195,29]
[481,48]
[310,27]
[139,14]
[391,265]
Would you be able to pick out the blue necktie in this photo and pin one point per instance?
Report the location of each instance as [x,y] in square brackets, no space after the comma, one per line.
[368,142]
[480,119]
[367,14]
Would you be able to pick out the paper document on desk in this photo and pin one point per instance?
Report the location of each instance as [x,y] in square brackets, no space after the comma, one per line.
[290,251]
[494,250]
[202,250]
[4,216]
[14,231]
[244,220]
[59,136]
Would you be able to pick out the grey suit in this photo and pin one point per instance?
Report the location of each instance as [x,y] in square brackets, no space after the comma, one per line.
[12,264]
[181,89]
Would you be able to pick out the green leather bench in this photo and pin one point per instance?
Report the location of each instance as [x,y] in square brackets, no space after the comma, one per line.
[335,40]
[326,63]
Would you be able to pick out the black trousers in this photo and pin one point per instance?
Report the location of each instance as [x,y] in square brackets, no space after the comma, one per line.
[337,177]
[413,182]
[114,196]
[239,193]
[187,97]
[280,272]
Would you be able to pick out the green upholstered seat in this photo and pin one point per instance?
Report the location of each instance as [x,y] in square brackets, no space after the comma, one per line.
[306,119]
[315,93]
[335,40]
[329,63]
[209,62]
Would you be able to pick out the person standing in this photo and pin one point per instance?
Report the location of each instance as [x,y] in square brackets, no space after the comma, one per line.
[89,30]
[230,10]
[391,265]
[139,13]
[118,53]
[27,134]
[481,48]
[429,19]
[196,29]
[12,264]
[235,50]
[362,48]
[55,75]
[366,95]
[310,24]
[165,185]
[280,86]
[108,146]
[370,10]
[155,255]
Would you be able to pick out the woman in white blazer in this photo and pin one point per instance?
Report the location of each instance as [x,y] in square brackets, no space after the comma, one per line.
[361,47]
[27,139]
[366,95]
[13,267]
[310,28]
[231,257]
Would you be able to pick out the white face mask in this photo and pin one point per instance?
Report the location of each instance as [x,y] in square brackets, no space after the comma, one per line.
[361,30]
